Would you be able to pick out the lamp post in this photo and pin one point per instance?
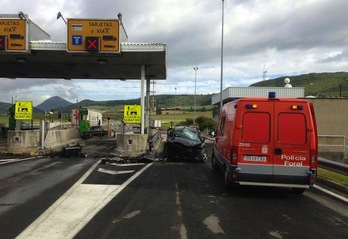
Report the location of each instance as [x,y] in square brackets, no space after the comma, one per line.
[222,53]
[194,98]
[175,108]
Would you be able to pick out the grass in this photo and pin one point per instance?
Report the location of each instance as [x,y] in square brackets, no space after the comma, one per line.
[332,176]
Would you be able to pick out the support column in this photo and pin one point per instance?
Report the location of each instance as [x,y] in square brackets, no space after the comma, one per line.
[147,112]
[142,98]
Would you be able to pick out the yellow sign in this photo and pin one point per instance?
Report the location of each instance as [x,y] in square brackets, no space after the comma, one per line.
[132,114]
[24,110]
[93,35]
[13,34]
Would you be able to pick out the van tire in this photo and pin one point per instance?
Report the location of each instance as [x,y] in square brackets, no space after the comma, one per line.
[298,190]
[214,164]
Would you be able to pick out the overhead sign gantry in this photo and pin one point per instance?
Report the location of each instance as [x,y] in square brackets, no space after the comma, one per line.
[93,35]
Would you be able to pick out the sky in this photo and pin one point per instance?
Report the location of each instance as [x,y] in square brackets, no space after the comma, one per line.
[279,37]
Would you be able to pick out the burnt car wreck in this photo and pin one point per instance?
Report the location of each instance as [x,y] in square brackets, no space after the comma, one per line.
[185,144]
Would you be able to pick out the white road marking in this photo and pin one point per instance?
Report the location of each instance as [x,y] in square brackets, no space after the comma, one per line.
[7,161]
[126,164]
[103,170]
[213,224]
[71,212]
[276,234]
[182,227]
[132,214]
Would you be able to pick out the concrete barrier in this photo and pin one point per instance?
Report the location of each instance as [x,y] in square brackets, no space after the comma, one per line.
[131,145]
[23,141]
[28,141]
[59,138]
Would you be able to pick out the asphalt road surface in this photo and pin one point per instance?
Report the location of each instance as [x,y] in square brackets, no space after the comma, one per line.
[83,198]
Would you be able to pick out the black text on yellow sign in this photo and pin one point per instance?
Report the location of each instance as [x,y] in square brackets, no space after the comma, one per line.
[93,35]
[132,114]
[24,110]
[13,34]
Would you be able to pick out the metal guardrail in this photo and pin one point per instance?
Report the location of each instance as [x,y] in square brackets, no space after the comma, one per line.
[333,142]
[333,166]
[152,140]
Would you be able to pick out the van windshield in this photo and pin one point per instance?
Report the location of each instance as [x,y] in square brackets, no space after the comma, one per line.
[256,127]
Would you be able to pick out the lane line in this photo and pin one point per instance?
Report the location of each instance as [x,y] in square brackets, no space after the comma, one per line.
[103,170]
[71,212]
[8,161]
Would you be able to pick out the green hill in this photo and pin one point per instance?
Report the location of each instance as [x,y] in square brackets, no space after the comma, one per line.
[317,84]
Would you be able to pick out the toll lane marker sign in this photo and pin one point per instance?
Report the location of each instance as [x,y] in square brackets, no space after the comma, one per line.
[13,33]
[24,110]
[132,114]
[96,35]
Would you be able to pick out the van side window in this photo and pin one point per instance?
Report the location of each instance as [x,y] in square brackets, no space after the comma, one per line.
[222,125]
[256,127]
[292,128]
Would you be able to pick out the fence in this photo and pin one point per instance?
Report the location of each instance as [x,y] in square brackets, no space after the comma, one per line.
[334,147]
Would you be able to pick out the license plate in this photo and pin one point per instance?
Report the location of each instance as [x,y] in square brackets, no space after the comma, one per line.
[254,158]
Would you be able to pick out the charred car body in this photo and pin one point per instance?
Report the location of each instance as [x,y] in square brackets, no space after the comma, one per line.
[185,143]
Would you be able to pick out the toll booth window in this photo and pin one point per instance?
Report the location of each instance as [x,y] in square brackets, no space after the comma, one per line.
[256,127]
[292,128]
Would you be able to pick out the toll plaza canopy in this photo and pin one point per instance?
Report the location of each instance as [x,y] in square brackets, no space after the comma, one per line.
[26,51]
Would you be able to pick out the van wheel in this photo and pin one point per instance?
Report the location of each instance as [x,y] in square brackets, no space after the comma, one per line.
[214,164]
[298,190]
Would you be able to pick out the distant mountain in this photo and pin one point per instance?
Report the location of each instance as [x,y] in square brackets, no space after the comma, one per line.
[54,103]
[86,102]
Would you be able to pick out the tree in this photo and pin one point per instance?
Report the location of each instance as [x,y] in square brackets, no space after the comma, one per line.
[189,122]
[205,123]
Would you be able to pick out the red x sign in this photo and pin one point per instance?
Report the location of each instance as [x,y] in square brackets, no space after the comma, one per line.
[92,43]
[2,43]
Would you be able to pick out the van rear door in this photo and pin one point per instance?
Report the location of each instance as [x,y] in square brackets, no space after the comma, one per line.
[292,145]
[255,148]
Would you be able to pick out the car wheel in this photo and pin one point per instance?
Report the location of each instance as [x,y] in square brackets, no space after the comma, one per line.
[204,156]
[214,164]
